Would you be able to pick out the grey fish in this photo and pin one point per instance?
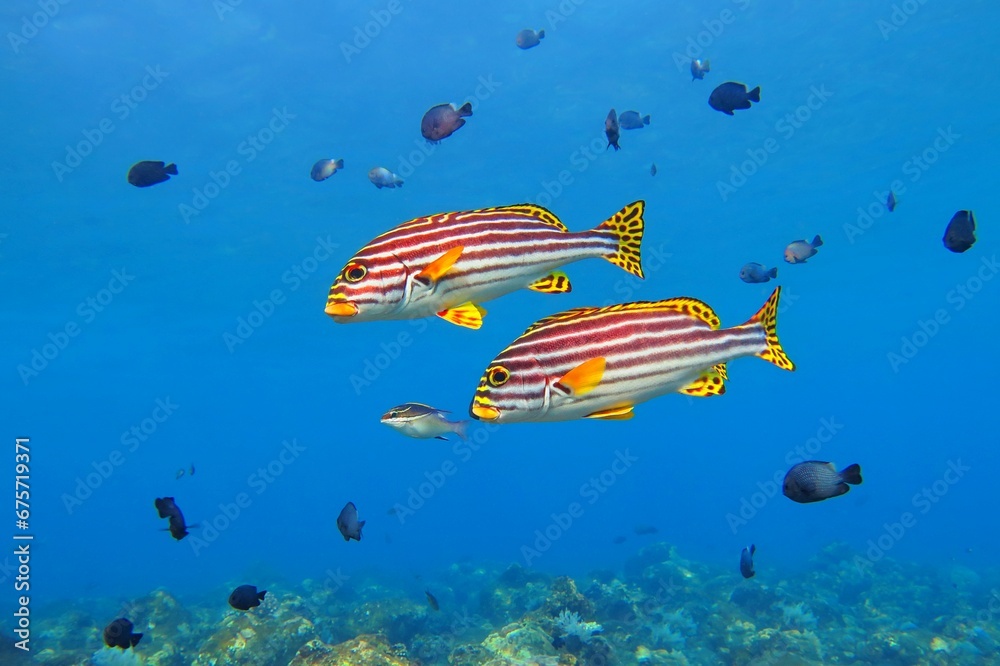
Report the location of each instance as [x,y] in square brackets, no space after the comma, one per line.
[890,201]
[348,523]
[645,529]
[323,169]
[528,38]
[699,68]
[382,177]
[732,96]
[178,475]
[746,561]
[754,273]
[798,251]
[961,232]
[119,634]
[814,481]
[150,172]
[652,169]
[246,597]
[414,419]
[632,120]
[432,601]
[166,507]
[443,120]
[611,130]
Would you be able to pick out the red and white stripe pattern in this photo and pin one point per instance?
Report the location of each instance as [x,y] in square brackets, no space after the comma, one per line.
[503,249]
[649,348]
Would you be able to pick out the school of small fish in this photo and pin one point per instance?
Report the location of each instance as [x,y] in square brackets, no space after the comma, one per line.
[586,362]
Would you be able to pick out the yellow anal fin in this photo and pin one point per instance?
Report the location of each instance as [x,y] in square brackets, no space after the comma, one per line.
[468,315]
[554,283]
[707,385]
[584,378]
[622,413]
[767,318]
[626,226]
[434,270]
[694,308]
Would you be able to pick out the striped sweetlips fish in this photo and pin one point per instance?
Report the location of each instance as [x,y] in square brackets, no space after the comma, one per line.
[599,362]
[447,264]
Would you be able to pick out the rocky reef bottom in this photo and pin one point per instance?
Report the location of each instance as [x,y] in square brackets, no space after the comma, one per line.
[661,609]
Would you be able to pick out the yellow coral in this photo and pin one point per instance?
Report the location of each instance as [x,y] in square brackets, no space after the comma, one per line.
[938,644]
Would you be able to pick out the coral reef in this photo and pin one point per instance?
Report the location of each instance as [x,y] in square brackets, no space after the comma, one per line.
[570,624]
[662,610]
[361,651]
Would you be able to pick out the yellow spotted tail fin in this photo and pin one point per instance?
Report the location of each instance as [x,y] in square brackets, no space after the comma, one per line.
[626,226]
[767,317]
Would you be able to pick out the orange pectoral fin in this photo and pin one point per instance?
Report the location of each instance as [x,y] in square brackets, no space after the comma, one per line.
[582,379]
[434,270]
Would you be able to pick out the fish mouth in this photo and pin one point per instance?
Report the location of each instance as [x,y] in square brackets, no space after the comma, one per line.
[484,412]
[341,309]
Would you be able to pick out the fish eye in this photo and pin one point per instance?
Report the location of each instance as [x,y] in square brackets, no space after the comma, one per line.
[393,414]
[498,376]
[355,272]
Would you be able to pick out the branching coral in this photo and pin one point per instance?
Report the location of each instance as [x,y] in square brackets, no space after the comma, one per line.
[571,625]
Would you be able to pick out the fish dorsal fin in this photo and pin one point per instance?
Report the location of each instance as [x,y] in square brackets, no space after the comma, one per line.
[560,316]
[417,407]
[468,315]
[553,283]
[709,383]
[536,213]
[692,307]
[684,305]
[543,215]
[437,268]
[582,379]
[621,413]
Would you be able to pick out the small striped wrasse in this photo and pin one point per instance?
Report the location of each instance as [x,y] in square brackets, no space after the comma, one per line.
[600,362]
[447,264]
[415,419]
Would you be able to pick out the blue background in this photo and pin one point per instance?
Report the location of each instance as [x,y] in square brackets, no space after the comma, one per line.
[162,337]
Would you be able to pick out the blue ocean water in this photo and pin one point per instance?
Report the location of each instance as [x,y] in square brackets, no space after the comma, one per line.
[192,311]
